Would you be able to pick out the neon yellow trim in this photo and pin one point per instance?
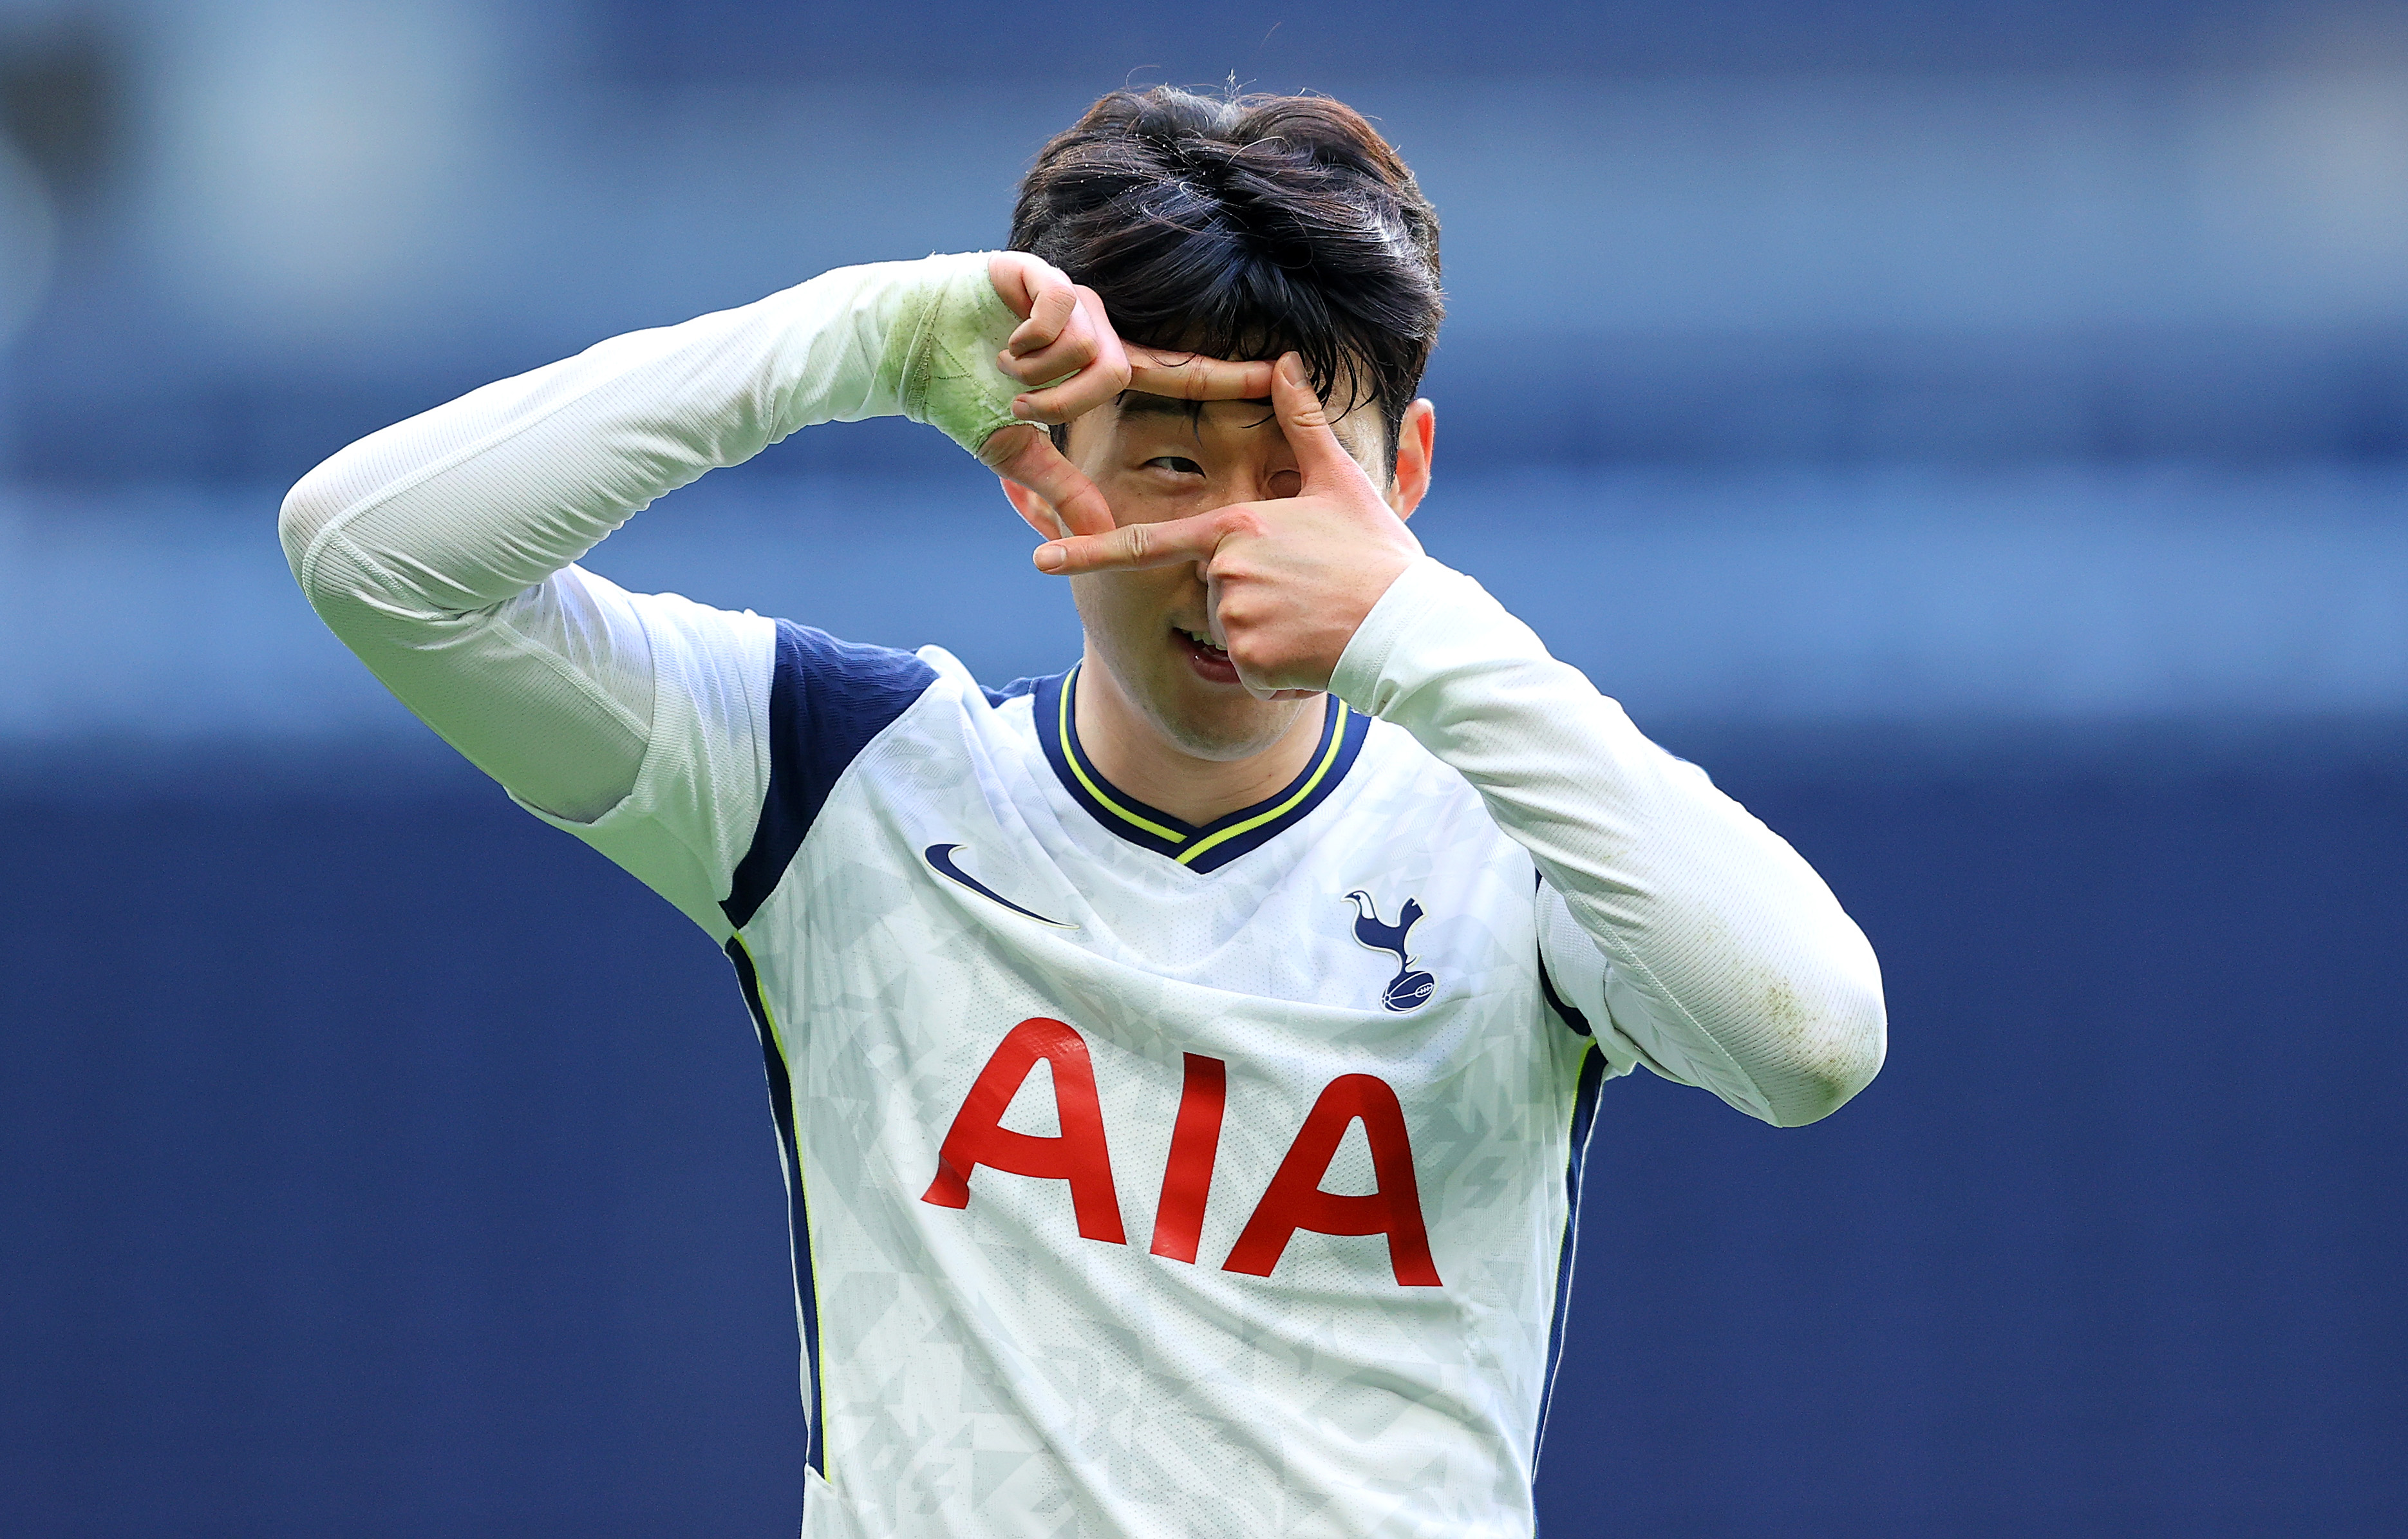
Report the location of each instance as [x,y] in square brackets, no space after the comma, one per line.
[768,1014]
[1336,740]
[1071,758]
[819,1412]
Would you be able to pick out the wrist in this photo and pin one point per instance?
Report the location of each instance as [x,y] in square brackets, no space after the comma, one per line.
[1368,587]
[938,362]
[1429,615]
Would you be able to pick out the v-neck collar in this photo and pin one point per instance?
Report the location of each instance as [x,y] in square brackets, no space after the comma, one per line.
[1223,840]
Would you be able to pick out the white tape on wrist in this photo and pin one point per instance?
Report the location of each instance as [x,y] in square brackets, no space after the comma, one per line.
[941,364]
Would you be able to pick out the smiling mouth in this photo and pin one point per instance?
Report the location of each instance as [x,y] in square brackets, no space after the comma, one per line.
[1211,662]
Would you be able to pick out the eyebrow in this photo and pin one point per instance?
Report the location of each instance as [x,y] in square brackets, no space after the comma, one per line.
[1139,403]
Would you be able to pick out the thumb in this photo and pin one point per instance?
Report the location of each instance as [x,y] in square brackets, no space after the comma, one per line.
[1025,455]
[1304,419]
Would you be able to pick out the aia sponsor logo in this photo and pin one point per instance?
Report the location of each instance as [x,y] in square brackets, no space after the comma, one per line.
[1080,1154]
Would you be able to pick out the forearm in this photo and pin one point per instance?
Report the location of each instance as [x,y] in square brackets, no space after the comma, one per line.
[437,548]
[1732,953]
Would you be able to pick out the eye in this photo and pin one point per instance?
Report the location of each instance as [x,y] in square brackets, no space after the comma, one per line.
[1176,464]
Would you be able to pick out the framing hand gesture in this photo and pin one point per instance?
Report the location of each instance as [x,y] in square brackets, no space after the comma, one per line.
[1290,579]
[1066,354]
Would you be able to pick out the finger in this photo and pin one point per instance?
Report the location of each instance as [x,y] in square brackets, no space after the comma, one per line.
[1034,511]
[1133,547]
[1064,399]
[1086,368]
[1074,349]
[1220,634]
[1027,456]
[1193,377]
[1013,274]
[1053,302]
[1304,420]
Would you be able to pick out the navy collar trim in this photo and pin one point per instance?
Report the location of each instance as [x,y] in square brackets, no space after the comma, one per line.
[1213,845]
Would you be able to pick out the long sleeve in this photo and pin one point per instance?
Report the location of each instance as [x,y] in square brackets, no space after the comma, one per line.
[1720,957]
[441,549]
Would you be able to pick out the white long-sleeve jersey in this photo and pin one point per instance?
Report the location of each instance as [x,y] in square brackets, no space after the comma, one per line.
[1147,1179]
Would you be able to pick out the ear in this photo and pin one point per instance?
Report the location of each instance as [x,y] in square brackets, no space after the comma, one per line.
[1034,511]
[1416,439]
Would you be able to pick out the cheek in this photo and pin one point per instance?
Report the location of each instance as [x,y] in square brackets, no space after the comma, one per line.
[1129,604]
[1138,497]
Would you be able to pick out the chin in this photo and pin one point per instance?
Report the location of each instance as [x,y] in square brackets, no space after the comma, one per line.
[1220,728]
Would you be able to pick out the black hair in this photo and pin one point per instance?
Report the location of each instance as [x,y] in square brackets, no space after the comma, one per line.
[1245,228]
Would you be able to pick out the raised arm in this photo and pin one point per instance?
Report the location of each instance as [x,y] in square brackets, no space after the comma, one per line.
[1721,956]
[439,549]
[1722,959]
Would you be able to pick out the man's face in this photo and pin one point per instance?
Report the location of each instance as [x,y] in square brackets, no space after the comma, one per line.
[1157,459]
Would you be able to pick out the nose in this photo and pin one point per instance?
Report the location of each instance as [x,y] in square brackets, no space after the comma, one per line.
[1283,484]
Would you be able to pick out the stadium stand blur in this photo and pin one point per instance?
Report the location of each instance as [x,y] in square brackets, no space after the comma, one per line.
[1979,435]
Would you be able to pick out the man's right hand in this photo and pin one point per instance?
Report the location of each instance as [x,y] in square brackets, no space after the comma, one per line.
[1068,355]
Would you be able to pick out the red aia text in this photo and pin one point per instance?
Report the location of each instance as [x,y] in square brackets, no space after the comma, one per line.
[1080,1155]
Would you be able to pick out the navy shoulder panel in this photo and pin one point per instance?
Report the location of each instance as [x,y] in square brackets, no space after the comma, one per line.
[827,698]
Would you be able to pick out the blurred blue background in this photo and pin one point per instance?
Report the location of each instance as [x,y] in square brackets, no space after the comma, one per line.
[1978,434]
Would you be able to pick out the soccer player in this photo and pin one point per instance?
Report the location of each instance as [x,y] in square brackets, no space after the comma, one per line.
[1181,1064]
